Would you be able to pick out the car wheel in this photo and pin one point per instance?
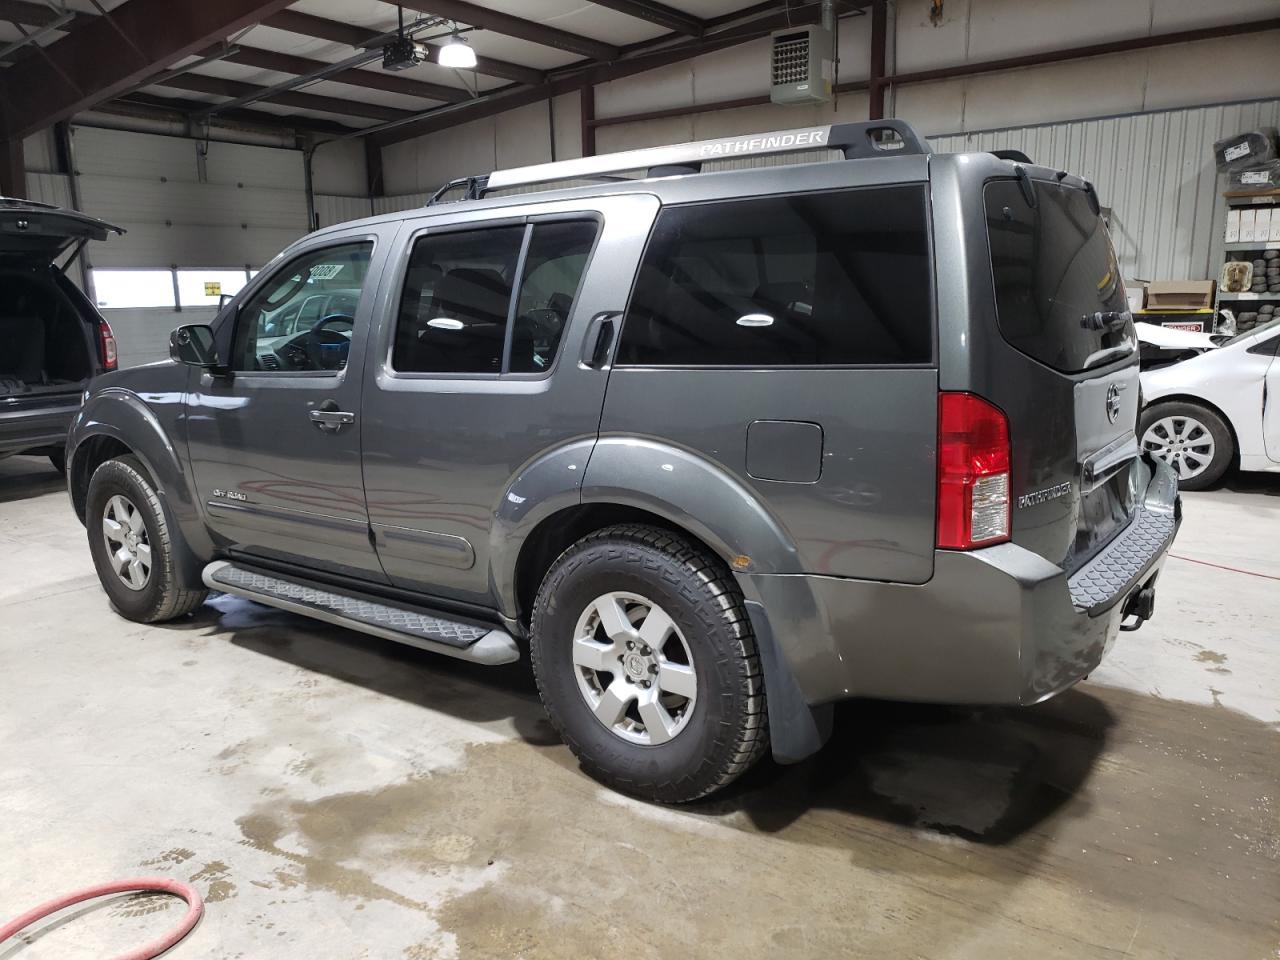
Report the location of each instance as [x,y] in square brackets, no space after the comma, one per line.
[132,545]
[647,665]
[1190,438]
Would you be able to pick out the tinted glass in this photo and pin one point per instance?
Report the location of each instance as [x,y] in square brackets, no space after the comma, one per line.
[453,310]
[302,318]
[812,280]
[1059,296]
[552,272]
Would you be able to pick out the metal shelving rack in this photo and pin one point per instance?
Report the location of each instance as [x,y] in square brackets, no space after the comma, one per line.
[1237,199]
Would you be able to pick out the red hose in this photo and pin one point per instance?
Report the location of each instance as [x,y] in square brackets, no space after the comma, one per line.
[195,907]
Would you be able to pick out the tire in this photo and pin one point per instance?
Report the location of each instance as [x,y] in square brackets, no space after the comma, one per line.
[1159,430]
[719,732]
[122,486]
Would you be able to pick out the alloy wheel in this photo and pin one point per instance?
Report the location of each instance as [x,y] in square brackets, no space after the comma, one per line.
[128,549]
[634,668]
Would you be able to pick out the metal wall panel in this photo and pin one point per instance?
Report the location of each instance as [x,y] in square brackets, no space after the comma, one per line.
[52,188]
[1154,170]
[332,209]
[404,201]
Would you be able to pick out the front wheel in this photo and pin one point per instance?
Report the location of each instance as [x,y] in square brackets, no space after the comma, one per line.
[647,665]
[132,545]
[1190,438]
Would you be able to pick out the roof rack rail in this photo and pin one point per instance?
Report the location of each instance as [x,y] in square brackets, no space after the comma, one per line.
[857,141]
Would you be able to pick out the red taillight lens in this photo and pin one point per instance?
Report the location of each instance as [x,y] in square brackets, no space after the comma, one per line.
[973,472]
[107,345]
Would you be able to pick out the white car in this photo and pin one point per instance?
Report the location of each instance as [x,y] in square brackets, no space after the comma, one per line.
[1203,413]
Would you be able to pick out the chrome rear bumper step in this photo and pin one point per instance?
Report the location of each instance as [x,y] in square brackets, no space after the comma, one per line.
[418,627]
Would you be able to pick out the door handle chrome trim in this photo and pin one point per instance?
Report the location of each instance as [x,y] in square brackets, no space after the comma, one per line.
[332,420]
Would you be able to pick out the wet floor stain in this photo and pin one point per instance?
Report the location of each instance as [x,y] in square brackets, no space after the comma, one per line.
[1101,823]
[215,878]
[1210,656]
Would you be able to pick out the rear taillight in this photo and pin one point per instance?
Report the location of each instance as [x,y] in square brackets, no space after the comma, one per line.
[106,345]
[973,472]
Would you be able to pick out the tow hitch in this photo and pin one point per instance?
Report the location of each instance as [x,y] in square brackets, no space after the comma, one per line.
[1140,604]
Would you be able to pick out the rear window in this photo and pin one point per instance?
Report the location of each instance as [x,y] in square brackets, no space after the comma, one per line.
[1059,296]
[802,280]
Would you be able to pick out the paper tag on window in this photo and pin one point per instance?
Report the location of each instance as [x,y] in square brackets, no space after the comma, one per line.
[325,271]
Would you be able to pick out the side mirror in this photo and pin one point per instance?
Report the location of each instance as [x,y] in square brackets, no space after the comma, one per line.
[192,344]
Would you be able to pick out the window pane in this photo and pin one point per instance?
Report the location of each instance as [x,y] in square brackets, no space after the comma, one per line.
[302,317]
[133,288]
[1054,266]
[453,311]
[812,280]
[553,269]
[203,288]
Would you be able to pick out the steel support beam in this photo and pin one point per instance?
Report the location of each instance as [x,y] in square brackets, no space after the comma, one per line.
[221,87]
[588,112]
[575,79]
[179,108]
[373,168]
[507,25]
[90,65]
[677,21]
[335,32]
[13,169]
[379,80]
[32,14]
[879,44]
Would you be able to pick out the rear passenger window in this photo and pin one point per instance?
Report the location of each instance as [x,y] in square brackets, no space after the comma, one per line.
[457,298]
[810,280]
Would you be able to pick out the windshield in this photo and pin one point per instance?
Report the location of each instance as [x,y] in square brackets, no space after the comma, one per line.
[1260,328]
[1059,296]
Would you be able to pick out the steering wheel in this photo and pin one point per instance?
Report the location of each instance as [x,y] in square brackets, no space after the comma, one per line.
[328,349]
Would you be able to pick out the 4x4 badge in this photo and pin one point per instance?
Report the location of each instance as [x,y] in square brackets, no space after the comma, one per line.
[1113,403]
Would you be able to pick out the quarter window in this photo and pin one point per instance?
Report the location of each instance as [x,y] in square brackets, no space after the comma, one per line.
[806,280]
[302,318]
[458,291]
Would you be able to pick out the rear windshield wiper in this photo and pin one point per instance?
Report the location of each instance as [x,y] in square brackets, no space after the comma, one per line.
[1106,320]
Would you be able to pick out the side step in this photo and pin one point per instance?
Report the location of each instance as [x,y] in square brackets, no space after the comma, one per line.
[463,639]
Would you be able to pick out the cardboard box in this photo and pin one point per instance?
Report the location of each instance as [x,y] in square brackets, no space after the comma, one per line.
[1262,224]
[1179,294]
[1233,227]
[1246,226]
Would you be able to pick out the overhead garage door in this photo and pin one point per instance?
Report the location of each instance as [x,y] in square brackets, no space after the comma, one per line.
[236,208]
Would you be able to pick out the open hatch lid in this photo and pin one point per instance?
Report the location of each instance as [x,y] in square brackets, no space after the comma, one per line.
[41,231]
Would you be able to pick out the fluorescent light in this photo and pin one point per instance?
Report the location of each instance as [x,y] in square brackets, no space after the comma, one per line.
[755,320]
[445,323]
[457,53]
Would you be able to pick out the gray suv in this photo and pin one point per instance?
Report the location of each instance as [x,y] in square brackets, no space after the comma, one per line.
[719,447]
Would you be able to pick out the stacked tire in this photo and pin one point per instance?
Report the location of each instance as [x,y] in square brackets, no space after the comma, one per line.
[1271,270]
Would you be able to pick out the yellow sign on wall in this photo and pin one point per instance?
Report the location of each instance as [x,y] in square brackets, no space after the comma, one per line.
[213,288]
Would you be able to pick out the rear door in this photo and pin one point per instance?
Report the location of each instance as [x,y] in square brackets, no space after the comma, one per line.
[478,374]
[789,339]
[1072,394]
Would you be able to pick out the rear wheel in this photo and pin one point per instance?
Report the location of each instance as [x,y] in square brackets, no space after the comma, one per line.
[1190,438]
[132,545]
[647,665]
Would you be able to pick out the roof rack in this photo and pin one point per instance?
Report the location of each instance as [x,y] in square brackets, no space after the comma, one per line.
[857,141]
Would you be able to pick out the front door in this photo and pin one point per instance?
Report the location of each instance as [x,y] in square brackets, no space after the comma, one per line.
[275,440]
[481,375]
[1271,400]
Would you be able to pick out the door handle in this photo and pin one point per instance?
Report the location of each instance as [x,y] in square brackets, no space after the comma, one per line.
[329,418]
[599,339]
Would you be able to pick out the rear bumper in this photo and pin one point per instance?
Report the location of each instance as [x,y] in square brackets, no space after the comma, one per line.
[995,626]
[31,427]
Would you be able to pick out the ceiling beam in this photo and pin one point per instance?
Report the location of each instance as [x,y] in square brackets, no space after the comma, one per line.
[507,25]
[178,108]
[677,21]
[572,80]
[91,64]
[352,36]
[381,80]
[221,87]
[31,14]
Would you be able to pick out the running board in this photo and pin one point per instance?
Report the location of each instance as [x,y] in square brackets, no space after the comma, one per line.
[462,639]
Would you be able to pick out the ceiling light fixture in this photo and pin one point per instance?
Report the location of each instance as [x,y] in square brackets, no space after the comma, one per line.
[457,53]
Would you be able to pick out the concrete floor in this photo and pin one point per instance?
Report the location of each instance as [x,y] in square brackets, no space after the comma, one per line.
[335,796]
